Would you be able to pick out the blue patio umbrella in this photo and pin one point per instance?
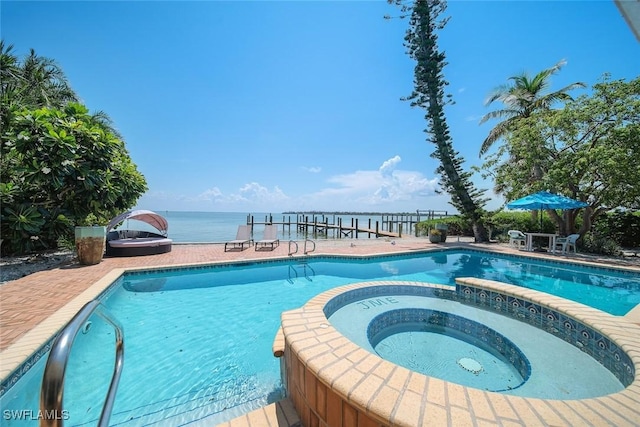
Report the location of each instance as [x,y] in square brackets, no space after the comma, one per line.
[545,200]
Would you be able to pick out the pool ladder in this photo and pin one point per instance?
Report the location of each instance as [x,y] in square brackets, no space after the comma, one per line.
[295,247]
[305,269]
[51,393]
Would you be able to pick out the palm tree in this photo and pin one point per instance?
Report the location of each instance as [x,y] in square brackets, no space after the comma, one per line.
[32,82]
[9,67]
[44,83]
[10,79]
[524,96]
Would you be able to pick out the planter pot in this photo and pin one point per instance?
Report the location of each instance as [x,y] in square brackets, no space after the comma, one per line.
[90,244]
[435,238]
[443,228]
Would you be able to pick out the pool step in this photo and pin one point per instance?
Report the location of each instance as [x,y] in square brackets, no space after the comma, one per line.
[281,414]
[202,407]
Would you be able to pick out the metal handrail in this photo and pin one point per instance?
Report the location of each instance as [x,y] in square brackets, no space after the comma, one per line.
[313,272]
[52,389]
[295,243]
[291,267]
[305,246]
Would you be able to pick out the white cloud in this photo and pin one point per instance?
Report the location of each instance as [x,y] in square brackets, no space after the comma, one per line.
[381,187]
[250,193]
[210,194]
[311,169]
[256,193]
[389,165]
[385,189]
[251,196]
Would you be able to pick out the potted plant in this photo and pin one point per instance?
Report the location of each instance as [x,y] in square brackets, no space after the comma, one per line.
[90,240]
[442,228]
[435,235]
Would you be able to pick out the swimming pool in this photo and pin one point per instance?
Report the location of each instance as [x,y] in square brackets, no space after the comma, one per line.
[198,340]
[612,290]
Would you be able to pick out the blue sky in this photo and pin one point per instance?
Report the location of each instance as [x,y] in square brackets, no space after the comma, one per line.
[273,106]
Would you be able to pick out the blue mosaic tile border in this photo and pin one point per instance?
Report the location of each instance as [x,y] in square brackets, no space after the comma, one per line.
[559,324]
[25,366]
[624,272]
[181,269]
[471,331]
[382,258]
[21,370]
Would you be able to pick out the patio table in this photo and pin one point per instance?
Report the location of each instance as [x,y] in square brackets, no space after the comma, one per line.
[551,236]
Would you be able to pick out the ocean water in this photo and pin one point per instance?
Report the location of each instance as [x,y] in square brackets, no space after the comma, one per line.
[205,227]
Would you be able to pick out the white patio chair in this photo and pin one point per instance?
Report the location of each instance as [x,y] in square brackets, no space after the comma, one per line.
[517,239]
[566,243]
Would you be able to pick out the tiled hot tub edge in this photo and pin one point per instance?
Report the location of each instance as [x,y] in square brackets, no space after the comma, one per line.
[334,383]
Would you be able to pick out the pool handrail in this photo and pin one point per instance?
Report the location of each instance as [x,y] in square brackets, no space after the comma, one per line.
[51,393]
[305,246]
[296,246]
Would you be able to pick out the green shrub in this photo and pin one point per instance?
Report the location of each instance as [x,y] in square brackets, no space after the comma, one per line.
[623,227]
[499,223]
[457,226]
[599,244]
[67,244]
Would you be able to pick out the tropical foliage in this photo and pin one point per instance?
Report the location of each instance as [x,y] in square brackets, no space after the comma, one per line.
[523,97]
[588,150]
[619,226]
[421,40]
[59,164]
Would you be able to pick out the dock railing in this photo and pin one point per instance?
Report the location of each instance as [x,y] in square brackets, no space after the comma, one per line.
[336,225]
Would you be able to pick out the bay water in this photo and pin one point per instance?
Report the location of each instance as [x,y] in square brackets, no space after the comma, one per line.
[216,227]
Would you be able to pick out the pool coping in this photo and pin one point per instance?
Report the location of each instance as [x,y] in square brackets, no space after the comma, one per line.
[20,355]
[321,361]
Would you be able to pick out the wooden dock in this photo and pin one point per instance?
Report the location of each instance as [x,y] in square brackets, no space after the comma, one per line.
[346,230]
[335,225]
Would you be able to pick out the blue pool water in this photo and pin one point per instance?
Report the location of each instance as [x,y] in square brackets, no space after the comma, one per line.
[198,341]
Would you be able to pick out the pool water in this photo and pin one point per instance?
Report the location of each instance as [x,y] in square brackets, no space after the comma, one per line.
[423,351]
[198,341]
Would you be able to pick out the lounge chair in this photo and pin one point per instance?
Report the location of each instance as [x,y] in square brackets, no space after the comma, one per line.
[243,236]
[270,238]
[517,239]
[130,242]
[565,243]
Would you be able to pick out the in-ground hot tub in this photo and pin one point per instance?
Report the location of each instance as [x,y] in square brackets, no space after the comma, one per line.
[443,345]
[443,338]
[335,373]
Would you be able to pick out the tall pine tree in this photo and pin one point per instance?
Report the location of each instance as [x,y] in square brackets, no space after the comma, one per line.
[421,41]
